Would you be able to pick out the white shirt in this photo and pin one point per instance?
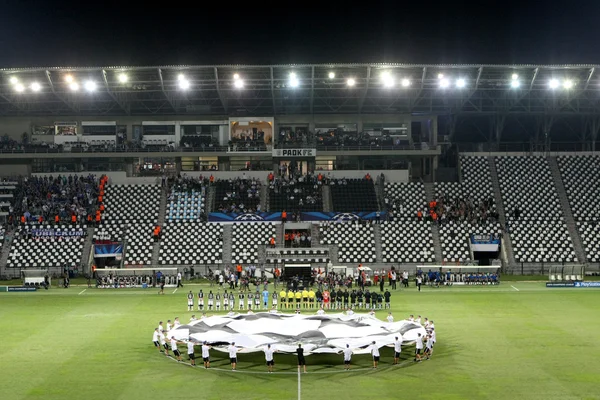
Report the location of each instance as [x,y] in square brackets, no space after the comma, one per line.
[320,312]
[419,342]
[155,336]
[232,351]
[169,327]
[433,336]
[179,275]
[431,326]
[347,354]
[205,351]
[418,280]
[161,337]
[160,328]
[173,344]
[350,312]
[405,275]
[190,346]
[398,346]
[177,323]
[418,321]
[390,318]
[269,353]
[429,343]
[374,350]
[193,319]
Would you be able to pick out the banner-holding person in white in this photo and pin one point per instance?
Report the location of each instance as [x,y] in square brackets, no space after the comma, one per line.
[269,357]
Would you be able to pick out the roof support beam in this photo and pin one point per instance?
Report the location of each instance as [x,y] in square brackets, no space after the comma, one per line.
[162,88]
[223,100]
[535,73]
[363,95]
[312,88]
[68,103]
[125,106]
[273,91]
[589,78]
[478,77]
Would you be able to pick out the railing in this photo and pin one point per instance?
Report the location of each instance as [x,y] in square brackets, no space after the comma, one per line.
[93,150]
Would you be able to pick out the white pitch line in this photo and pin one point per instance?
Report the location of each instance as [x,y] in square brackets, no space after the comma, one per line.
[175,290]
[515,288]
[299,394]
[82,291]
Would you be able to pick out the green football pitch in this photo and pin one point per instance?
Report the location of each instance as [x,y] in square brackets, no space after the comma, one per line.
[518,340]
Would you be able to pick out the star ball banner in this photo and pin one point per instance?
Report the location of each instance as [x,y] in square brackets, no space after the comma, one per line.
[304,216]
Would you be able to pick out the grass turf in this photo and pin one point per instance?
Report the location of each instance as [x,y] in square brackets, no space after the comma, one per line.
[493,343]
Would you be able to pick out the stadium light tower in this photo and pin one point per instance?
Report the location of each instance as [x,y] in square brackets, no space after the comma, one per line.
[90,86]
[331,75]
[515,83]
[19,87]
[184,84]
[123,78]
[461,83]
[293,81]
[444,83]
[69,78]
[14,80]
[553,83]
[36,87]
[568,84]
[236,76]
[351,82]
[74,86]
[514,77]
[387,79]
[239,83]
[405,82]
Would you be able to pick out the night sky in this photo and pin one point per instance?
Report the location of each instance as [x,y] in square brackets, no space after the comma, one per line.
[104,33]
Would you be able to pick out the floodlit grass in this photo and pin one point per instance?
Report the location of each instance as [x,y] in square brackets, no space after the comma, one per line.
[493,343]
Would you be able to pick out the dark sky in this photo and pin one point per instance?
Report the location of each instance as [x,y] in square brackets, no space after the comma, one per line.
[104,33]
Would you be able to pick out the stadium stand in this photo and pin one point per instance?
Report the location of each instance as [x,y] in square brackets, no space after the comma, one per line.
[536,222]
[186,243]
[187,199]
[352,195]
[581,178]
[355,241]
[298,193]
[246,240]
[131,213]
[237,195]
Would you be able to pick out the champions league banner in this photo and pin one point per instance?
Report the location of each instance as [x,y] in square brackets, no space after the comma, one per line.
[56,233]
[244,217]
[108,250]
[340,216]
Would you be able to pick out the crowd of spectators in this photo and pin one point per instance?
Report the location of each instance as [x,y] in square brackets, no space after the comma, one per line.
[296,192]
[238,195]
[445,209]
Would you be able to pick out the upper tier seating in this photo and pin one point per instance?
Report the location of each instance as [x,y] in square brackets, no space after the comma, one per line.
[404,198]
[186,206]
[353,195]
[246,239]
[581,178]
[186,243]
[536,222]
[237,195]
[407,241]
[356,242]
[302,193]
[454,238]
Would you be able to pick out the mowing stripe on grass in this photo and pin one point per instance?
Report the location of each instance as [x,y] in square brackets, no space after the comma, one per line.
[82,291]
[514,288]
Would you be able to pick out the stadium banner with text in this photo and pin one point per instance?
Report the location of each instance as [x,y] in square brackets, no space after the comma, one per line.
[53,232]
[560,284]
[485,243]
[294,152]
[587,284]
[19,289]
[244,217]
[108,250]
[343,216]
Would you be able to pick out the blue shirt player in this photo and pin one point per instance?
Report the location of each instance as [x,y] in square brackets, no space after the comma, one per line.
[265,295]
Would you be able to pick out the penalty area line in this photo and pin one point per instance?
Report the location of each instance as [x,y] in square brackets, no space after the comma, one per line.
[175,290]
[82,291]
[514,288]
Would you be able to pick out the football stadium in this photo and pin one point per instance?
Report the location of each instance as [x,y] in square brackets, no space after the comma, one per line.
[300,231]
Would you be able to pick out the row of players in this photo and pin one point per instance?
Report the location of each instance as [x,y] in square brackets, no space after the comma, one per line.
[342,299]
[421,349]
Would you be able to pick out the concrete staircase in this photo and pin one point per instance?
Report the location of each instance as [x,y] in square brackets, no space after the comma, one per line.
[378,240]
[507,242]
[87,249]
[227,240]
[210,199]
[327,202]
[162,217]
[264,197]
[5,251]
[435,230]
[566,207]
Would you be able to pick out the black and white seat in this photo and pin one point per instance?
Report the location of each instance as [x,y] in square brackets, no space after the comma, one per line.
[247,238]
[186,243]
[407,241]
[356,242]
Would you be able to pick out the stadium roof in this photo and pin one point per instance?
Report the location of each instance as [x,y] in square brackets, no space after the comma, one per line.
[246,90]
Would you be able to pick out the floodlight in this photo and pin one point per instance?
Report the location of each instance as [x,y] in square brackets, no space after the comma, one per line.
[239,83]
[19,87]
[444,83]
[36,87]
[460,83]
[553,83]
[14,80]
[515,77]
[440,76]
[515,83]
[405,82]
[69,78]
[351,82]
[294,82]
[74,86]
[331,75]
[236,76]
[292,75]
[184,84]
[387,79]
[90,86]
[123,77]
[568,84]
[181,77]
